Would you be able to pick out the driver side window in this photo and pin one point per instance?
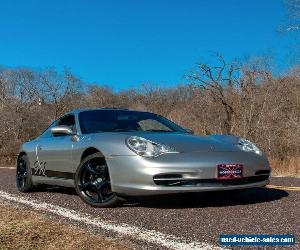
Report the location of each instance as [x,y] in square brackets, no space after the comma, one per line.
[68,120]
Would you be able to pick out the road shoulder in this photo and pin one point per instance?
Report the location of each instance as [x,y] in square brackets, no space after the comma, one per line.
[24,229]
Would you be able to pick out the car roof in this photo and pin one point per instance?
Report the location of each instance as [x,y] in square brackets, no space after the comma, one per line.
[77,111]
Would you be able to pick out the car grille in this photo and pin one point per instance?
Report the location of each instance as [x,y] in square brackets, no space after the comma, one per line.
[207,182]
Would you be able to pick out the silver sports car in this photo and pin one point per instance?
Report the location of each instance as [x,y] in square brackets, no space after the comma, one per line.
[108,154]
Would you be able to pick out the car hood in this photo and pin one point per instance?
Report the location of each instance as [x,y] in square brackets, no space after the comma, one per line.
[192,143]
[115,142]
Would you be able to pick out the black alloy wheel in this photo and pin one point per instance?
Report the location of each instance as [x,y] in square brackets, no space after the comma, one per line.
[92,182]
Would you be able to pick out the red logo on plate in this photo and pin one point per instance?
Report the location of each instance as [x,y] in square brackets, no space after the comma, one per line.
[229,171]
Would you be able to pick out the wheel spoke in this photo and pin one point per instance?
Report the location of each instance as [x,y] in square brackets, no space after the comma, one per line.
[100,195]
[100,169]
[90,168]
[86,186]
[103,184]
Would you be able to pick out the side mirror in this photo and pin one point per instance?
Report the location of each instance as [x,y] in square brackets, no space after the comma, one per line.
[62,130]
[189,131]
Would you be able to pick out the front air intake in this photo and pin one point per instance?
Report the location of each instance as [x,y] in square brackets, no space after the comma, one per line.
[260,172]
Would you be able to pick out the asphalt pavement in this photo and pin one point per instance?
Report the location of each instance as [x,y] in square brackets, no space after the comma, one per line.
[198,217]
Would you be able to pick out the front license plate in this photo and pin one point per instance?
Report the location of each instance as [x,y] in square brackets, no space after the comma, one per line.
[229,171]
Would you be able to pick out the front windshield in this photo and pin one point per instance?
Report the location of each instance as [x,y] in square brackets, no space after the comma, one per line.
[95,121]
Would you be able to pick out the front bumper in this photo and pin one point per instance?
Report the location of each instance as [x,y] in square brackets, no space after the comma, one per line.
[184,172]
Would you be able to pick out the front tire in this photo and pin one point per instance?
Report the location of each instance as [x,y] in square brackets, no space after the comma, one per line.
[92,182]
[23,175]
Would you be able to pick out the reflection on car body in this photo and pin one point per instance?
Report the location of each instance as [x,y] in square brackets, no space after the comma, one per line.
[109,153]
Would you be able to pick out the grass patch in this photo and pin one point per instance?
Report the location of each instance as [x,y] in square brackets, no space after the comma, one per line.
[23,229]
[287,167]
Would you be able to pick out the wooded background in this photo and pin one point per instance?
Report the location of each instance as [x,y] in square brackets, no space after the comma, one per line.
[244,99]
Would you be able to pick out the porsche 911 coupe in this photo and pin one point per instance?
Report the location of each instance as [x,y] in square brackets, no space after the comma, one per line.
[109,154]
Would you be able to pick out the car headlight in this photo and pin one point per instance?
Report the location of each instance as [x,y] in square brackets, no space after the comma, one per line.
[248,146]
[147,148]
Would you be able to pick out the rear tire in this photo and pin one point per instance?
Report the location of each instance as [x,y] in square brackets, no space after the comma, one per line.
[23,175]
[92,182]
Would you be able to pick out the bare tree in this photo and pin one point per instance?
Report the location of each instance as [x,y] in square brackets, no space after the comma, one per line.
[244,99]
[220,81]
